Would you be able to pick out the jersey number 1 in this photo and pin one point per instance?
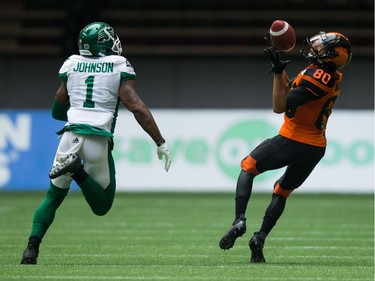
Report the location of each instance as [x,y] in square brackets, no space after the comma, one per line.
[90,85]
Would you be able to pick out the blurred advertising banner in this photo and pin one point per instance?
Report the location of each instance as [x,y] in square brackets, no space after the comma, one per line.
[27,146]
[207,147]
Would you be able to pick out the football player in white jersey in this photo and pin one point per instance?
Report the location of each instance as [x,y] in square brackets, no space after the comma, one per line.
[93,85]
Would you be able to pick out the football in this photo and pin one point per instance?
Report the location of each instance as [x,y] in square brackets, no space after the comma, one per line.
[282,35]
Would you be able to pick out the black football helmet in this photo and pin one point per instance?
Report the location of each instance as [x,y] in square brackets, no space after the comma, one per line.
[331,50]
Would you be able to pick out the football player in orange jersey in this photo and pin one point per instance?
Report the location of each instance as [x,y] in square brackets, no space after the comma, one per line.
[306,103]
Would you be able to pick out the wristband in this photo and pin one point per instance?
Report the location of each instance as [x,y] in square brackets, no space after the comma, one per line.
[160,143]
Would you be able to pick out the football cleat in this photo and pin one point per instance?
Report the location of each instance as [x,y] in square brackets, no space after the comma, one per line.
[237,229]
[30,255]
[71,165]
[256,244]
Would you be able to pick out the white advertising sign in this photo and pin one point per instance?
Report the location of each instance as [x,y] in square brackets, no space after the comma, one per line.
[207,147]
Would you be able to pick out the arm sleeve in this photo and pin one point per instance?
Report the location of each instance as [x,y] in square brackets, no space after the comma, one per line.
[296,97]
[127,71]
[59,111]
[63,72]
[307,89]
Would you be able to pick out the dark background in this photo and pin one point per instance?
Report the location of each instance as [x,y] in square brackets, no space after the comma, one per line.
[187,54]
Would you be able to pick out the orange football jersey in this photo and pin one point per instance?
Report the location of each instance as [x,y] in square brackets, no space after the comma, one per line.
[307,122]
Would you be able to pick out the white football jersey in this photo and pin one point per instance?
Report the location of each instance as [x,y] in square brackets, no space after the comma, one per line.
[93,84]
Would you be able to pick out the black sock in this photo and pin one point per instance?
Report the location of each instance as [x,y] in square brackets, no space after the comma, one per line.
[80,176]
[243,192]
[273,213]
[35,241]
[263,235]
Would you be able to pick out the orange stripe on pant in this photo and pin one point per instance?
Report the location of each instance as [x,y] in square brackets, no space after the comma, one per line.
[248,164]
[282,192]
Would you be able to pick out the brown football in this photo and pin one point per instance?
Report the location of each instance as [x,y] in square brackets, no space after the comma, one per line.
[282,35]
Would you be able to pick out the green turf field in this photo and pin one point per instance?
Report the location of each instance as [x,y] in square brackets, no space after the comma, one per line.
[161,236]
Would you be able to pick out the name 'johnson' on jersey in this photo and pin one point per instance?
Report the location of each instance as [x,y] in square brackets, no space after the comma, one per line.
[93,84]
[94,67]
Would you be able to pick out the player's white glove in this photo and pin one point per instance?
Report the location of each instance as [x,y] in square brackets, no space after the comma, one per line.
[163,151]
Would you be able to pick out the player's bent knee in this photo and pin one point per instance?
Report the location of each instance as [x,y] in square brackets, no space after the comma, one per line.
[278,190]
[101,211]
[248,164]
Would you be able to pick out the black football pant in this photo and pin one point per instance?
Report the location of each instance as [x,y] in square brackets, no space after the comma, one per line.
[299,159]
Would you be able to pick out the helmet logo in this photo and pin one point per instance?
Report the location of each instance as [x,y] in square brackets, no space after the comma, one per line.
[106,34]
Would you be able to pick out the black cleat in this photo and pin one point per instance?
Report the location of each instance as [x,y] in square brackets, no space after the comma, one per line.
[71,165]
[237,229]
[256,244]
[30,255]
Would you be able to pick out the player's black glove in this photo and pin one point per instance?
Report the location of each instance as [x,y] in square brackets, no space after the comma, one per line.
[278,65]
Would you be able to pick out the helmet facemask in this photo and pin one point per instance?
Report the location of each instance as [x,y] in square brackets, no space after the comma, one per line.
[331,50]
[107,34]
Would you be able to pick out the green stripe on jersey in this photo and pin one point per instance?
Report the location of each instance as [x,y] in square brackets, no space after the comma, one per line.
[85,129]
[127,76]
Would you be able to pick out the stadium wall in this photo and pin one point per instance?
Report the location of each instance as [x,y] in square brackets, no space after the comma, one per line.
[184,82]
[206,145]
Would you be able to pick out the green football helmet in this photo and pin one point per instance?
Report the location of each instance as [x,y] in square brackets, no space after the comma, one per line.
[98,39]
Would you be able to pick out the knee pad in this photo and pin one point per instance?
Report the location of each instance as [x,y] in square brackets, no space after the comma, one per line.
[248,164]
[278,190]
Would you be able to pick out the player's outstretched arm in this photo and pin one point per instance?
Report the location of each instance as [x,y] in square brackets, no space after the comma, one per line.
[142,114]
[280,90]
